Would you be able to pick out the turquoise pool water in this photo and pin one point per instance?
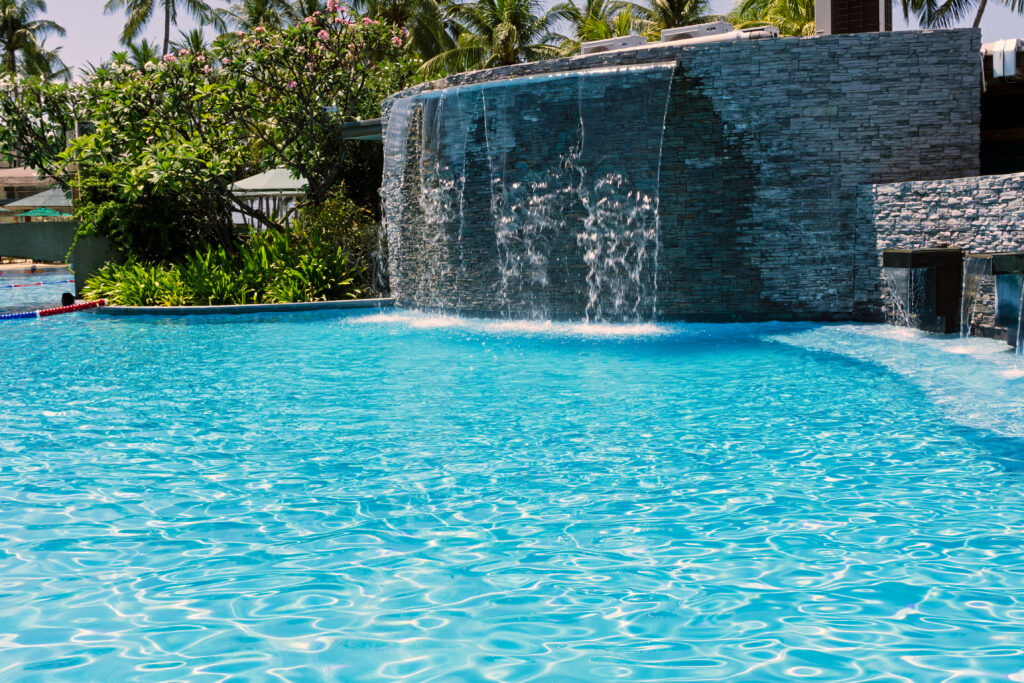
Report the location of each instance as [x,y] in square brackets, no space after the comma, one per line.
[395,496]
[21,290]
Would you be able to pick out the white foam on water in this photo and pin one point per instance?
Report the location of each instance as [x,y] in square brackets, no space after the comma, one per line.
[421,320]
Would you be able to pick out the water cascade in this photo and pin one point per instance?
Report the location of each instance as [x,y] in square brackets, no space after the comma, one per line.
[923,288]
[903,291]
[976,270]
[544,188]
[994,295]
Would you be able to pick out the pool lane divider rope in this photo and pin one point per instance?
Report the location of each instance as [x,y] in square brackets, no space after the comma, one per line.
[36,284]
[47,312]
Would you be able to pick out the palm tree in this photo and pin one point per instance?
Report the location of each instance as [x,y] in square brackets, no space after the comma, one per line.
[791,17]
[141,11]
[22,38]
[662,14]
[431,32]
[297,10]
[193,41]
[141,53]
[245,15]
[595,20]
[933,14]
[496,33]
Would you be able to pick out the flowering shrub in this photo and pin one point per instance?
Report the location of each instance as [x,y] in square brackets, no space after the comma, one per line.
[175,134]
[291,90]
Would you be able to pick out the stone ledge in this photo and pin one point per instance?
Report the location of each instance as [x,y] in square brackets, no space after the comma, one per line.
[246,308]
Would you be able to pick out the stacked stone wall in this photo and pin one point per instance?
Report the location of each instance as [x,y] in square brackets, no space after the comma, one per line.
[768,147]
[979,214]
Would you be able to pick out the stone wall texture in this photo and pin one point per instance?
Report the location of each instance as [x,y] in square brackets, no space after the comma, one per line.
[770,149]
[979,214]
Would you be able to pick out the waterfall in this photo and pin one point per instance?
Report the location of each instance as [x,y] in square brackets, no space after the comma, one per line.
[1020,322]
[396,155]
[899,283]
[975,270]
[534,197]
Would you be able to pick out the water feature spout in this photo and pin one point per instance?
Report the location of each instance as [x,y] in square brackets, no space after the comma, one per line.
[994,295]
[924,287]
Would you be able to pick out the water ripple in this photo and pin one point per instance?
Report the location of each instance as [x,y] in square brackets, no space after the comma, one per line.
[365,497]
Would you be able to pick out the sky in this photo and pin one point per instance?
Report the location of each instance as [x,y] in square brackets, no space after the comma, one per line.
[92,36]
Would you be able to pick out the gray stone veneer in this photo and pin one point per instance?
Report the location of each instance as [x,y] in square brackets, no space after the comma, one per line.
[979,214]
[768,148]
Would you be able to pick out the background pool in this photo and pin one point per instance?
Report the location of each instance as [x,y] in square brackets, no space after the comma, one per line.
[29,296]
[375,496]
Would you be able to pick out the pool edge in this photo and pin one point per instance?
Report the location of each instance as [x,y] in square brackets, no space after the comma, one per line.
[246,308]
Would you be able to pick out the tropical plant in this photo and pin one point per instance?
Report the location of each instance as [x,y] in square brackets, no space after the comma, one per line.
[194,41]
[295,11]
[22,39]
[36,120]
[246,15]
[141,53]
[140,12]
[496,33]
[595,20]
[791,17]
[155,165]
[663,14]
[270,266]
[934,14]
[291,91]
[431,32]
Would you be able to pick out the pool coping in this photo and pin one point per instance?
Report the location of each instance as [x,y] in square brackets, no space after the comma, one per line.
[231,309]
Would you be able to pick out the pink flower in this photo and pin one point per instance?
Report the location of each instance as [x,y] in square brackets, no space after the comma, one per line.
[367,21]
[291,85]
[240,34]
[207,69]
[226,60]
[170,58]
[182,52]
[201,59]
[397,41]
[260,29]
[308,20]
[338,20]
[323,35]
[333,5]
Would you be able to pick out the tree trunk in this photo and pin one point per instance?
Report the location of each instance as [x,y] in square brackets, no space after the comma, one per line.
[981,10]
[167,23]
[10,62]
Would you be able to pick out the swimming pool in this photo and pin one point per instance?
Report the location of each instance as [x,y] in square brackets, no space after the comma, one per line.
[370,496]
[21,290]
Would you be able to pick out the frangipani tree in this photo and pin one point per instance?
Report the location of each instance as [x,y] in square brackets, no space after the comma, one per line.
[171,138]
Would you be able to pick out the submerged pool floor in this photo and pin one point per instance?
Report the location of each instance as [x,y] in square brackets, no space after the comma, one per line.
[371,496]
